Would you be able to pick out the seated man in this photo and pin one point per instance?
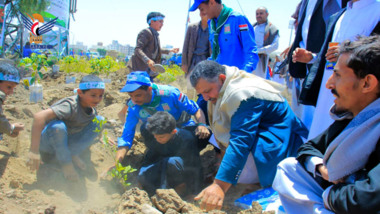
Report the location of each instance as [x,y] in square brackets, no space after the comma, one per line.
[171,161]
[338,171]
[147,99]
[252,123]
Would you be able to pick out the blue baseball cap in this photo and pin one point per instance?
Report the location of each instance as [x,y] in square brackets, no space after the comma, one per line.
[135,80]
[196,4]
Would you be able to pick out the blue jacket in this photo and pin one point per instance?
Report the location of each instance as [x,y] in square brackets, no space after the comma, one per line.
[27,52]
[237,43]
[164,98]
[270,130]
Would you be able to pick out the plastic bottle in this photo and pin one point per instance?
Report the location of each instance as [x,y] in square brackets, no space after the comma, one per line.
[36,94]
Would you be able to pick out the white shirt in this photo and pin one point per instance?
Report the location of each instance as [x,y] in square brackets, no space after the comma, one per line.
[259,34]
[360,18]
[259,37]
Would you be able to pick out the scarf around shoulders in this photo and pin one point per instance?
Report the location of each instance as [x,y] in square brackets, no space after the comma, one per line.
[217,27]
[350,150]
[238,86]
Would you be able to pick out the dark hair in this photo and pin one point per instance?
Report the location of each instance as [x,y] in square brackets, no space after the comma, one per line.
[207,70]
[90,78]
[8,69]
[152,15]
[143,87]
[161,122]
[364,56]
[217,1]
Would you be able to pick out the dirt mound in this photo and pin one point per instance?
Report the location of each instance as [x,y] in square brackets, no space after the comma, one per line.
[24,191]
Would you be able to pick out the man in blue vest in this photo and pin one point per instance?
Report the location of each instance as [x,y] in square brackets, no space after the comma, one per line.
[148,98]
[231,35]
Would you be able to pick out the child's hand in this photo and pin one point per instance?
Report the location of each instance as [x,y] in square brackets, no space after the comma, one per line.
[110,141]
[105,172]
[34,161]
[16,130]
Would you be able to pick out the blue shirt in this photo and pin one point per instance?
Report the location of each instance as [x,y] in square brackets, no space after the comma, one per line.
[27,52]
[237,43]
[270,130]
[164,98]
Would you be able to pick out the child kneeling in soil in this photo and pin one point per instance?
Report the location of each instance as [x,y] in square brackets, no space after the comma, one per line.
[172,160]
[66,129]
[9,79]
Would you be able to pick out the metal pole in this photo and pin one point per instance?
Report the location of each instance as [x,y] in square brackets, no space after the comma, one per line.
[242,11]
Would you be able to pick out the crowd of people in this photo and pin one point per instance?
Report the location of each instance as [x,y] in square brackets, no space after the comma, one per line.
[321,153]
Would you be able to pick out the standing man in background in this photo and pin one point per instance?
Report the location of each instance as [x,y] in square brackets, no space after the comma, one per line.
[311,30]
[148,49]
[267,37]
[231,35]
[196,48]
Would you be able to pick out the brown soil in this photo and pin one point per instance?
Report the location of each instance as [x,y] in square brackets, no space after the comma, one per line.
[25,191]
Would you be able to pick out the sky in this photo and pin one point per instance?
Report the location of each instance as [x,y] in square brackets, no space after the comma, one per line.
[122,20]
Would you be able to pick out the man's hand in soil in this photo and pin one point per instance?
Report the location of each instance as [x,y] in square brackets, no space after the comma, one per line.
[202,132]
[213,196]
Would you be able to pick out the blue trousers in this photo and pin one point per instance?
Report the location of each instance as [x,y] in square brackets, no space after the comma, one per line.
[164,174]
[55,140]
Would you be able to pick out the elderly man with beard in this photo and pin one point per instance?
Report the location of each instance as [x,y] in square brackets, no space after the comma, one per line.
[252,123]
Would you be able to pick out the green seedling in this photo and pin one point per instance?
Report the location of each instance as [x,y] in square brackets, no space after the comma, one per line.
[120,173]
[36,63]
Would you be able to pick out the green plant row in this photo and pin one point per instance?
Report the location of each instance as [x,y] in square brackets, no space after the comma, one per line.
[171,74]
[71,64]
[95,66]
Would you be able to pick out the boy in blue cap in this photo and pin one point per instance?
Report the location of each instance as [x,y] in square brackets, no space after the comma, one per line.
[148,98]
[9,79]
[66,129]
[171,160]
[232,37]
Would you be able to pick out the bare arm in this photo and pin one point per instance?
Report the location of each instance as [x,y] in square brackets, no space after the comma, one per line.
[200,116]
[38,125]
[121,152]
[201,130]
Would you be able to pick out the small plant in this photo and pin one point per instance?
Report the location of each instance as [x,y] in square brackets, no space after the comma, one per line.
[51,60]
[36,63]
[105,142]
[119,172]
